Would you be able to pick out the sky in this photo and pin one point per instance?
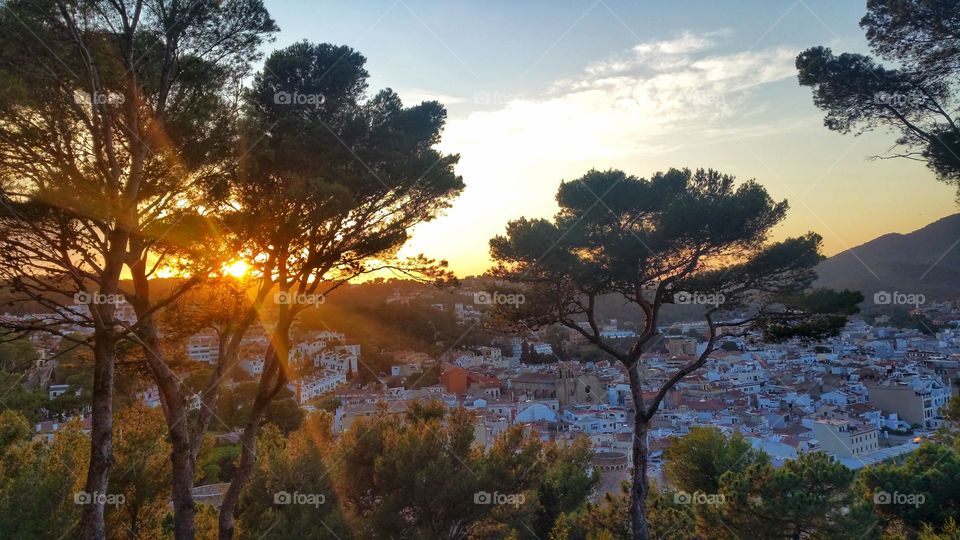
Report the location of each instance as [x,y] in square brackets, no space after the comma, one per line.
[540,91]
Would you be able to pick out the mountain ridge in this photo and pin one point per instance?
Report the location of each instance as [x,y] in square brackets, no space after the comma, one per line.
[925,261]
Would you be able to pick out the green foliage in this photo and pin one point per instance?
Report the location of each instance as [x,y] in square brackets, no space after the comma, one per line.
[655,240]
[329,404]
[429,377]
[141,471]
[950,531]
[292,465]
[561,530]
[915,96]
[610,516]
[900,317]
[678,237]
[396,473]
[235,404]
[14,429]
[563,487]
[18,398]
[697,461]
[610,519]
[17,356]
[219,463]
[924,489]
[299,189]
[75,398]
[806,497]
[952,426]
[38,482]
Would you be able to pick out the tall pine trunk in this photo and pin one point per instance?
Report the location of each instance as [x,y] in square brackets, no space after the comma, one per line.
[184,507]
[178,427]
[92,525]
[101,435]
[272,381]
[174,408]
[641,484]
[248,458]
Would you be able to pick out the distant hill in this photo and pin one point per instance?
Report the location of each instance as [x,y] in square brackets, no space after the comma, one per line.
[925,261]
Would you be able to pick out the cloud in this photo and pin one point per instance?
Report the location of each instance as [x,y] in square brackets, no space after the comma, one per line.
[657,97]
[662,54]
[623,106]
[415,96]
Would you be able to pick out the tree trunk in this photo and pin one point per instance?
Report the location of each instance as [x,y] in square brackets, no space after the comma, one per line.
[248,457]
[227,358]
[641,484]
[178,427]
[101,435]
[248,441]
[135,521]
[174,406]
[184,507]
[92,524]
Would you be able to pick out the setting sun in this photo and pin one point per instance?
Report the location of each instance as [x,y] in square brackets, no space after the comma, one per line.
[611,269]
[237,269]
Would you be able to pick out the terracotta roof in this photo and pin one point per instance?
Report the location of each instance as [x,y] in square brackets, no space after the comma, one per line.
[705,405]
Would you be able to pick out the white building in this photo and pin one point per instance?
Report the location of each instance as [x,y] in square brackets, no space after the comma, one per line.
[845,439]
[203,348]
[312,387]
[253,366]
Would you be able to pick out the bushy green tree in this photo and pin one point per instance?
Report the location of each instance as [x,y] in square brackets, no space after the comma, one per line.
[141,473]
[112,114]
[563,487]
[421,474]
[561,530]
[923,490]
[950,531]
[38,481]
[233,408]
[290,494]
[680,237]
[17,356]
[696,461]
[329,184]
[14,429]
[806,498]
[18,398]
[609,518]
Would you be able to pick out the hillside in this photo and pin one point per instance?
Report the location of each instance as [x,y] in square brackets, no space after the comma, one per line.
[925,261]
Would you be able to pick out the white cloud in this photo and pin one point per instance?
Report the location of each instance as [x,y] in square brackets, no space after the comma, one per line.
[621,107]
[415,96]
[659,97]
[659,55]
